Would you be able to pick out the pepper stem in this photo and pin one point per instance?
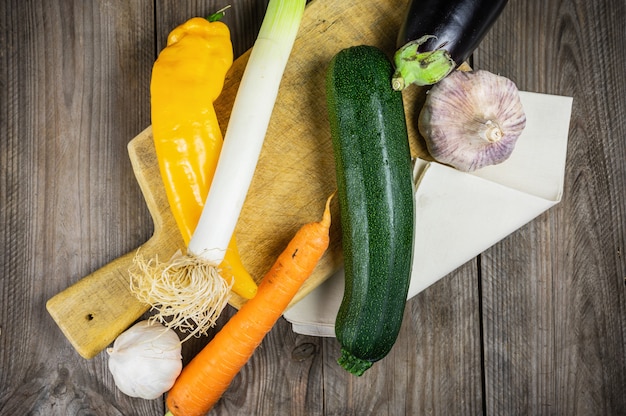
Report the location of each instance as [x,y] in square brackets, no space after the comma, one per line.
[420,68]
[218,14]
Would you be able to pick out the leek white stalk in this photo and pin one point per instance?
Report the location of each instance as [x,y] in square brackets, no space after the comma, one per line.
[188,292]
[246,129]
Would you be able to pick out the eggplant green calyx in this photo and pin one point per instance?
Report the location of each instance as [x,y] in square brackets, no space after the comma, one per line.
[420,68]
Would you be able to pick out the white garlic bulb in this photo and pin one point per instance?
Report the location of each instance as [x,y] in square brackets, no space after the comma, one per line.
[145,360]
[472,119]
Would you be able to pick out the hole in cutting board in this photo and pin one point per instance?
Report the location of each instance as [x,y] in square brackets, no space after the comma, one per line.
[89,317]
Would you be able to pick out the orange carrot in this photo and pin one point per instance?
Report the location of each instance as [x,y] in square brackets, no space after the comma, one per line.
[203,381]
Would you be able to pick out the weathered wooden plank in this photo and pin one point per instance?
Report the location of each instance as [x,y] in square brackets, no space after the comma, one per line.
[74,90]
[444,334]
[553,293]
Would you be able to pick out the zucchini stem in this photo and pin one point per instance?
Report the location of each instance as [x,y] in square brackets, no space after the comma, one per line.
[353,364]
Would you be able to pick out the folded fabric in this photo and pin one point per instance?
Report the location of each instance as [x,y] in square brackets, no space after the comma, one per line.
[459,214]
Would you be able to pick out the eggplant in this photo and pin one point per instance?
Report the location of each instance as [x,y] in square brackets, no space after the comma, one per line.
[436,36]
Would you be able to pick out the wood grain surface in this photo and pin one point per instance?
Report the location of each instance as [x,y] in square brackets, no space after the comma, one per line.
[536,325]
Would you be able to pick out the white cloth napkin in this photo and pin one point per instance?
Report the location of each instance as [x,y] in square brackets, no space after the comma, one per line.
[459,215]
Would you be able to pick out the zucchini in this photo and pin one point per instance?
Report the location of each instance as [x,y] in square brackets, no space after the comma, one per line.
[436,36]
[375,193]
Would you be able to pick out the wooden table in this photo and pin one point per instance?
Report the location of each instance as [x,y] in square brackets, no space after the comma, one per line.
[536,325]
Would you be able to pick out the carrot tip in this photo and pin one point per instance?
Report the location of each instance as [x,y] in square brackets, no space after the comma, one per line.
[326,216]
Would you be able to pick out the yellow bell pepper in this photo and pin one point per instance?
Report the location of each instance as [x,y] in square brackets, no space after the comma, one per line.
[187,77]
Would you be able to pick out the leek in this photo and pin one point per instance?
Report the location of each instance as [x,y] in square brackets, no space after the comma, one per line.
[246,129]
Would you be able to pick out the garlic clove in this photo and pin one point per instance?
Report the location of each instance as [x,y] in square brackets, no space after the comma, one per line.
[472,119]
[145,360]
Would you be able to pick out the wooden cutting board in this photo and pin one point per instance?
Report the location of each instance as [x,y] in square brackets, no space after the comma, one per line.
[294,176]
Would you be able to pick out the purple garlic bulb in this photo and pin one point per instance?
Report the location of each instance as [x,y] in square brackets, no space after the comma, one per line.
[472,119]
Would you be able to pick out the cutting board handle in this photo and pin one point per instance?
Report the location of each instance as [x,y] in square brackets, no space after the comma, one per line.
[84,311]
